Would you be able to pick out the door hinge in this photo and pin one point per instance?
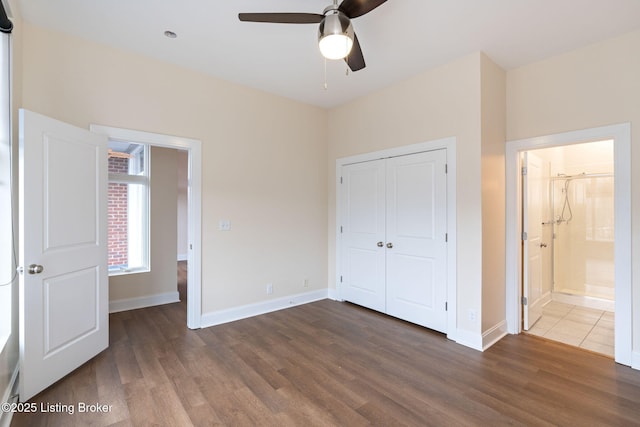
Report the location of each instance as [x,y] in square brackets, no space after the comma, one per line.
[340,229]
[524,235]
[446,168]
[446,237]
[191,246]
[524,170]
[446,306]
[524,300]
[340,279]
[340,180]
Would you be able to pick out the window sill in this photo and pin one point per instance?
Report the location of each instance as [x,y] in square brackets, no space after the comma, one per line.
[119,271]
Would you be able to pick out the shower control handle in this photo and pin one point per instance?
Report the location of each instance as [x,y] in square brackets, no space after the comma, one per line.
[543,245]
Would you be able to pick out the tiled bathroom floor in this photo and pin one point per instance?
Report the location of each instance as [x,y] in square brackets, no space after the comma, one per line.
[578,326]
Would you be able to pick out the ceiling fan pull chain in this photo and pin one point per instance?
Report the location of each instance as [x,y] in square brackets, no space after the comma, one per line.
[346,62]
[325,74]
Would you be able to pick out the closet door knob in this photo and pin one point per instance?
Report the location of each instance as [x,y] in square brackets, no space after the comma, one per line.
[380,244]
[390,245]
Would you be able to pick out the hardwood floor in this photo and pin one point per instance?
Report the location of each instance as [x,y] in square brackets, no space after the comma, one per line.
[182,280]
[333,364]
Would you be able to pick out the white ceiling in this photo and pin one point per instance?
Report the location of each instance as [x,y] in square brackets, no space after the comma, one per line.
[399,39]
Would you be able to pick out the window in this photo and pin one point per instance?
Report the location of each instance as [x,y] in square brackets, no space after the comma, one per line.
[7,253]
[128,207]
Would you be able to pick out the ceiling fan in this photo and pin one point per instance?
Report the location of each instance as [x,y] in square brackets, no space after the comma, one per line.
[336,37]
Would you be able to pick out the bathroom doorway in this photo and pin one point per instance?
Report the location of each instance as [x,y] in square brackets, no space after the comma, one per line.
[568,248]
[623,313]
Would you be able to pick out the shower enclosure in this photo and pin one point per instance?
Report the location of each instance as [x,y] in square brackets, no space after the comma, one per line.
[583,236]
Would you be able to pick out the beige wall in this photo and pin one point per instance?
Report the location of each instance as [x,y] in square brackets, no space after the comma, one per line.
[163,275]
[439,103]
[493,112]
[264,157]
[183,203]
[589,87]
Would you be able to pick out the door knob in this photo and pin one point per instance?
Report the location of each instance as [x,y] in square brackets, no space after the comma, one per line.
[390,245]
[380,244]
[543,245]
[35,269]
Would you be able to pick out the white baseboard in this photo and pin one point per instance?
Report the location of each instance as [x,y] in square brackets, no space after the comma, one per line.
[546,298]
[183,257]
[333,295]
[494,334]
[143,302]
[635,360]
[469,339]
[12,390]
[250,310]
[584,301]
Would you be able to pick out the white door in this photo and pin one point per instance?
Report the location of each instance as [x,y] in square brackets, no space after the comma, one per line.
[416,239]
[363,234]
[63,250]
[394,237]
[532,182]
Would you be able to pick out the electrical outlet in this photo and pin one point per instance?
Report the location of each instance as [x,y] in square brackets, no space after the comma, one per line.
[305,283]
[269,288]
[473,315]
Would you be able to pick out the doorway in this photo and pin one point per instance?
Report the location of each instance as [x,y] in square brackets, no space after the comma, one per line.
[621,137]
[194,171]
[568,244]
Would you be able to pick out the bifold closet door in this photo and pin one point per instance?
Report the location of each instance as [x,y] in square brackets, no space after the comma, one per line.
[416,233]
[363,234]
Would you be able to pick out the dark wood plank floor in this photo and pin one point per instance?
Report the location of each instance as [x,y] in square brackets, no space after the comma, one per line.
[333,364]
[182,280]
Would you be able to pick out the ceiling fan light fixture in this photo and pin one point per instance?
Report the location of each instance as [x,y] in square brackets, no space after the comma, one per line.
[335,35]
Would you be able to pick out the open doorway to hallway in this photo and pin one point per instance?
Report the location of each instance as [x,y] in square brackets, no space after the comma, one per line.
[194,150]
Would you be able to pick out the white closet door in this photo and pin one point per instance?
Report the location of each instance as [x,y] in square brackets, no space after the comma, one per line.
[416,239]
[363,234]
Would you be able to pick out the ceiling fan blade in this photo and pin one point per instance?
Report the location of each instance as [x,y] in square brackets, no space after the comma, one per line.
[355,8]
[282,18]
[355,59]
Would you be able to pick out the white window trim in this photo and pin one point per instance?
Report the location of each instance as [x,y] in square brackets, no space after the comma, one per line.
[140,253]
[7,266]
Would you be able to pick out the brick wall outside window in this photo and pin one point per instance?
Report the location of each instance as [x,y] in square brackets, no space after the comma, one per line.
[118,213]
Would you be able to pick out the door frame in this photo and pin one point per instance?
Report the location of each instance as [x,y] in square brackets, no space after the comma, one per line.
[621,136]
[194,215]
[448,144]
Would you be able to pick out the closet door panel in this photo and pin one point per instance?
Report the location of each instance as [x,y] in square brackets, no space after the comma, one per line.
[363,234]
[416,247]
